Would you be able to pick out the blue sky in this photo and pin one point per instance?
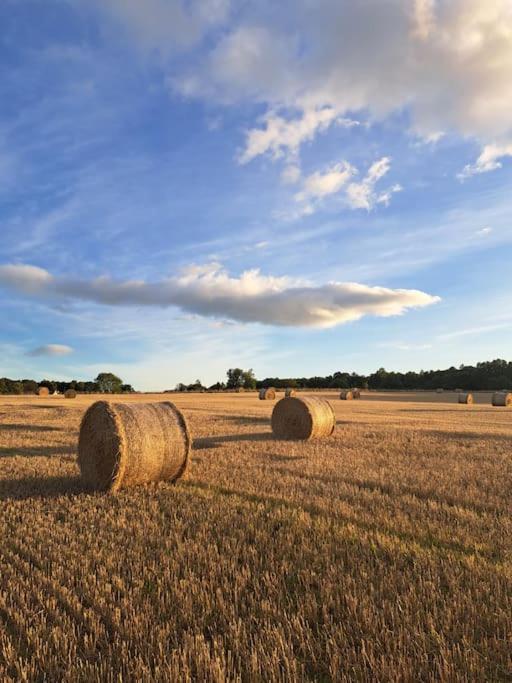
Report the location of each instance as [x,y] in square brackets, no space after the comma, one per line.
[191,186]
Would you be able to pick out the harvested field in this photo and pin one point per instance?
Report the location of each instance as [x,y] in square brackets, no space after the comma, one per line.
[383,552]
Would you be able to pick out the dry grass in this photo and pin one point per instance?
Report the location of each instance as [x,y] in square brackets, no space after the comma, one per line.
[383,553]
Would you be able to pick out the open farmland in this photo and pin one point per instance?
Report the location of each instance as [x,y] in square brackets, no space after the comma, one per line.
[381,553]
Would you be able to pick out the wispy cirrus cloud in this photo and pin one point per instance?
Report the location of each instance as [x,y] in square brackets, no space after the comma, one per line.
[211,292]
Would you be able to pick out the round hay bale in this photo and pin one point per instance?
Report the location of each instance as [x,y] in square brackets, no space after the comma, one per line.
[501,398]
[439,391]
[124,444]
[70,393]
[347,395]
[356,394]
[267,394]
[304,418]
[43,391]
[465,397]
[290,392]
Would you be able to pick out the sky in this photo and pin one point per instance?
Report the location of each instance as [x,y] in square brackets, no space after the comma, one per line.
[298,187]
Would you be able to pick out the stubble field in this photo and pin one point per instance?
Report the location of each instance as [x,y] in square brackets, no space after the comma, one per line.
[383,553]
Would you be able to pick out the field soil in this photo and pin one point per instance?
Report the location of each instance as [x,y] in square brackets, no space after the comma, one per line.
[382,553]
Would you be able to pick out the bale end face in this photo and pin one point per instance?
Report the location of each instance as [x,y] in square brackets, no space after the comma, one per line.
[346,395]
[268,394]
[290,392]
[122,445]
[466,398]
[70,393]
[43,391]
[302,418]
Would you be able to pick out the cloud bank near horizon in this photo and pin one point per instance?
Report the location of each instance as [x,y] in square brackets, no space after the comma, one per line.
[210,291]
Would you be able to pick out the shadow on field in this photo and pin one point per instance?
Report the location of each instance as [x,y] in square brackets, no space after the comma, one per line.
[29,428]
[215,441]
[446,434]
[272,502]
[461,409]
[392,492]
[42,487]
[34,451]
[247,419]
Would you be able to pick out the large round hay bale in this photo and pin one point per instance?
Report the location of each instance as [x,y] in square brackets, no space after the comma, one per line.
[267,394]
[346,395]
[70,393]
[501,398]
[356,394]
[307,417]
[124,444]
[465,397]
[290,392]
[43,391]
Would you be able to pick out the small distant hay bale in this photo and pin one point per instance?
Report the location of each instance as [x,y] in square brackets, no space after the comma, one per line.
[290,392]
[43,391]
[356,394]
[70,393]
[268,394]
[502,398]
[124,444]
[346,395]
[303,418]
[465,397]
[439,391]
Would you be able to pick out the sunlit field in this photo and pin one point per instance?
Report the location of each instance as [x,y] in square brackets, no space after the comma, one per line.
[382,553]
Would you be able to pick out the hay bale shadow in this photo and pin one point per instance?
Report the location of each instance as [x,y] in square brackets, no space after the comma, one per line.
[42,487]
[34,451]
[247,419]
[28,428]
[216,441]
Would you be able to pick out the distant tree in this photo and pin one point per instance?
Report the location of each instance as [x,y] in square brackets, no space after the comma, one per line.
[235,378]
[248,379]
[218,386]
[108,383]
[127,389]
[180,387]
[10,386]
[29,386]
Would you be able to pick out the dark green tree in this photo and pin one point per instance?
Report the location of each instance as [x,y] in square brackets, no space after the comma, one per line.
[108,383]
[235,378]
[248,379]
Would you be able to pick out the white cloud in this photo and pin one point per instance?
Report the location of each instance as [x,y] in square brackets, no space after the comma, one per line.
[447,62]
[489,160]
[335,180]
[283,137]
[51,350]
[321,184]
[362,195]
[209,291]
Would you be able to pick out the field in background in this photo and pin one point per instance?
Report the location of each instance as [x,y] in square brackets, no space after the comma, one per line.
[383,553]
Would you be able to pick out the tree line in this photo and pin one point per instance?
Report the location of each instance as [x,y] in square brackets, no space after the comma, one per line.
[488,375]
[105,383]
